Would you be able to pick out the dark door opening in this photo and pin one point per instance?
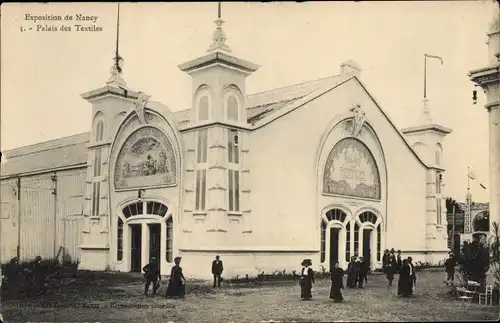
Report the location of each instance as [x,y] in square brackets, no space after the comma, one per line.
[334,246]
[154,242]
[136,246]
[367,252]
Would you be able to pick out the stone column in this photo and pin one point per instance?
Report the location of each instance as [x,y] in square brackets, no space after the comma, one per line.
[488,78]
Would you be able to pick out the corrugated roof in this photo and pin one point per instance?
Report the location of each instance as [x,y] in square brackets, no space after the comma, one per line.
[72,150]
[47,155]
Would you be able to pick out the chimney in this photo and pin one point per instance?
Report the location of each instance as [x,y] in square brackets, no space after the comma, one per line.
[350,68]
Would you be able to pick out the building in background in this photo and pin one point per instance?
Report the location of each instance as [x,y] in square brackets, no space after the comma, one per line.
[478,216]
[313,170]
[488,78]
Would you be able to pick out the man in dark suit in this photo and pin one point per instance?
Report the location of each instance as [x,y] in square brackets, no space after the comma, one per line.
[217,269]
[152,275]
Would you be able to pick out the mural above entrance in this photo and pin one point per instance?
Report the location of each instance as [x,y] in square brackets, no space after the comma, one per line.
[351,170]
[145,159]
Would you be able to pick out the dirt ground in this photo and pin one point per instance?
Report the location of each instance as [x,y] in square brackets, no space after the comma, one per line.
[118,297]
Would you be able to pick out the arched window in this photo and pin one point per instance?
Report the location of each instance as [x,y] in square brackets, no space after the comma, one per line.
[356,239]
[368,217]
[119,242]
[203,108]
[232,108]
[348,242]
[437,154]
[336,215]
[170,239]
[97,164]
[99,131]
[323,241]
[152,208]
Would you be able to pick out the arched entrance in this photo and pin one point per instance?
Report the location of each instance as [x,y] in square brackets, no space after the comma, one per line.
[144,230]
[333,237]
[368,228]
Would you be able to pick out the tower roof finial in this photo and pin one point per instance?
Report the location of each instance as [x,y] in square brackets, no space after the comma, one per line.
[117,67]
[219,36]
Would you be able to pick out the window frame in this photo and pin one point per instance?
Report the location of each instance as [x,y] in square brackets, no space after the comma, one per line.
[203,91]
[233,91]
[98,136]
[234,173]
[201,171]
[439,217]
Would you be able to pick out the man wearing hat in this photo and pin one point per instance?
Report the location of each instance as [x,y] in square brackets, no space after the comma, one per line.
[152,275]
[306,280]
[391,267]
[449,265]
[217,269]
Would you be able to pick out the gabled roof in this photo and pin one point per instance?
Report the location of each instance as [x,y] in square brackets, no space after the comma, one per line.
[46,156]
[72,151]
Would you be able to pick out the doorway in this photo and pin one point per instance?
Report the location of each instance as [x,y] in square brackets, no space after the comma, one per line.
[334,246]
[154,242]
[367,239]
[136,246]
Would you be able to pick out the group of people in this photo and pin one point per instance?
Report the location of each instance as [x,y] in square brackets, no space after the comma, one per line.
[357,275]
[176,287]
[357,272]
[394,264]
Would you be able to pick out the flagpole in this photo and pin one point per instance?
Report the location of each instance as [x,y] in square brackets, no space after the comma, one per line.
[117,55]
[468,178]
[453,229]
[425,76]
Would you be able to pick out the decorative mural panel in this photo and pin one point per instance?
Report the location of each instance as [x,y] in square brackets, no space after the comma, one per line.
[145,159]
[351,170]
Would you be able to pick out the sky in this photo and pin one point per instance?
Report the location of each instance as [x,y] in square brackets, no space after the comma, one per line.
[43,73]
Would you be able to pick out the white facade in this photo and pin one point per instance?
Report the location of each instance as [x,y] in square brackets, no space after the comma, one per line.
[488,78]
[315,170]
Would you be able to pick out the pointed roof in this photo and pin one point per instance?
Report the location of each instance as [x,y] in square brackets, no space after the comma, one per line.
[425,122]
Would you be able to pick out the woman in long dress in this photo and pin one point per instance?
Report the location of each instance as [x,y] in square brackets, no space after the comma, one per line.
[176,286]
[352,273]
[306,280]
[405,279]
[337,277]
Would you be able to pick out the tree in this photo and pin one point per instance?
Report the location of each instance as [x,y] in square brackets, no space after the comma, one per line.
[494,243]
[474,261]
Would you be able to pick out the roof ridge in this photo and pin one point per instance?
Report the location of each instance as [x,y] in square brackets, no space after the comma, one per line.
[291,85]
[27,147]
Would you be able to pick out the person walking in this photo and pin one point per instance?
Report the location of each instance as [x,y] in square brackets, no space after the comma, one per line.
[413,276]
[385,260]
[176,286]
[217,269]
[399,261]
[306,280]
[352,273]
[364,268]
[449,265]
[152,275]
[404,279]
[391,268]
[337,276]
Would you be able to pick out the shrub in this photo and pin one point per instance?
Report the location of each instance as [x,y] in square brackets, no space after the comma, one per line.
[19,278]
[474,262]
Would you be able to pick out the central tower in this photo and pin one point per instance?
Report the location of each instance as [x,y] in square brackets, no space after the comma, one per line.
[217,178]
